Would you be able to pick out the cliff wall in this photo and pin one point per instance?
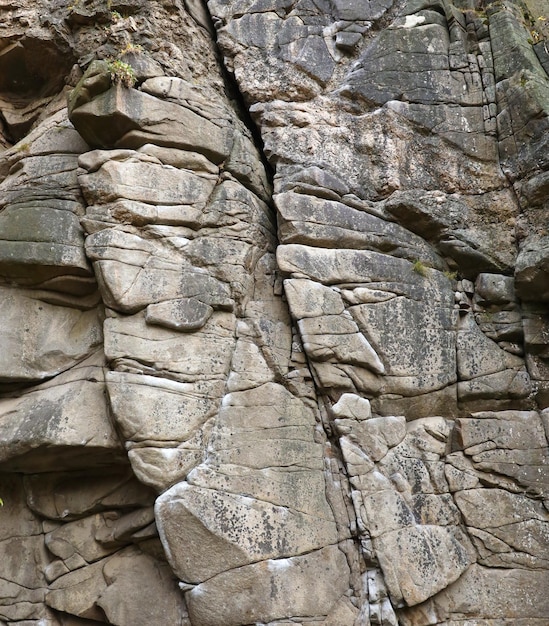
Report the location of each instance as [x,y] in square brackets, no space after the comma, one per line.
[274,278]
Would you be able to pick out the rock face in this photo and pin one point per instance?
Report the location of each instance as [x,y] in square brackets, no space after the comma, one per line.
[273,295]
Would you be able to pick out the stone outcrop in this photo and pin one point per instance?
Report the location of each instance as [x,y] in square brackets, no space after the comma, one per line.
[273,292]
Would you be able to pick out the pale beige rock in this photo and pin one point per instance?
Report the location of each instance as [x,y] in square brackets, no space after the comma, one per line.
[78,537]
[151,408]
[425,360]
[249,368]
[337,338]
[38,424]
[300,586]
[183,314]
[134,272]
[200,546]
[77,592]
[477,355]
[263,443]
[489,593]
[41,340]
[351,406]
[168,351]
[161,468]
[131,118]
[434,558]
[514,519]
[376,435]
[128,573]
[158,184]
[307,298]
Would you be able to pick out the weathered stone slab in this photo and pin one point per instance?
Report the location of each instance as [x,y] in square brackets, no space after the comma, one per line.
[433,558]
[516,520]
[41,340]
[62,496]
[351,406]
[129,118]
[325,223]
[337,338]
[47,425]
[340,266]
[169,351]
[144,181]
[414,339]
[38,242]
[128,573]
[490,594]
[200,545]
[162,467]
[78,591]
[307,298]
[183,314]
[150,408]
[508,384]
[477,355]
[134,272]
[273,590]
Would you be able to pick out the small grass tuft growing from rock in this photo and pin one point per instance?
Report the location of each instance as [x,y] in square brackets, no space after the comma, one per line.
[121,73]
[419,268]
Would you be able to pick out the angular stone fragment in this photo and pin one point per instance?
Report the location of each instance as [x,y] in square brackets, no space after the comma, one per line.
[103,490]
[128,573]
[307,298]
[272,590]
[477,355]
[183,314]
[328,224]
[267,454]
[48,424]
[142,180]
[131,337]
[490,594]
[516,520]
[151,408]
[340,266]
[249,369]
[351,406]
[419,561]
[337,338]
[508,384]
[495,288]
[200,545]
[531,270]
[129,118]
[77,592]
[425,360]
[41,340]
[376,435]
[78,538]
[134,272]
[161,468]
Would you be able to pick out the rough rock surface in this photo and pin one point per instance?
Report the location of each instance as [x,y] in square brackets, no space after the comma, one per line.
[274,344]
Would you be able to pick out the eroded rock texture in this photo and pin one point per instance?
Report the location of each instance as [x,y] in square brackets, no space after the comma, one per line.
[274,280]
